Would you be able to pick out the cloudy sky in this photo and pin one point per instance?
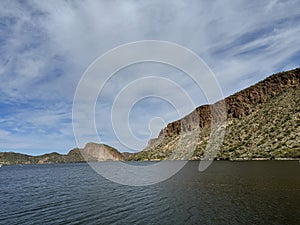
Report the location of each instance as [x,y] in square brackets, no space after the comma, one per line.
[45,47]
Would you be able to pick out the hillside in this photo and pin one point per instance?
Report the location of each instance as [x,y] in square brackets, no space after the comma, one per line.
[92,152]
[262,122]
[11,158]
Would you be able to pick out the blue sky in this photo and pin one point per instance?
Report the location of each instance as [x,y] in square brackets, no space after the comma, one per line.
[45,47]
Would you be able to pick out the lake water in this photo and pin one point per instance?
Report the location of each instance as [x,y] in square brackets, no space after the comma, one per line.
[265,192]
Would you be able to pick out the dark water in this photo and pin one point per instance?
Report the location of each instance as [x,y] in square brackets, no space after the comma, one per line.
[226,193]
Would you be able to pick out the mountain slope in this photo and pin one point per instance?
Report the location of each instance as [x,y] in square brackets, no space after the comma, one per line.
[262,122]
[92,152]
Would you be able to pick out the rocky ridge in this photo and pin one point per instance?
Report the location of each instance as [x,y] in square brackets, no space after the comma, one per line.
[262,122]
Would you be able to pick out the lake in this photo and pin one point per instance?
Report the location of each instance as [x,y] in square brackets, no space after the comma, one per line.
[256,192]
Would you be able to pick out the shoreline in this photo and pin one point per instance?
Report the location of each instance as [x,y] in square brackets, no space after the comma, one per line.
[195,160]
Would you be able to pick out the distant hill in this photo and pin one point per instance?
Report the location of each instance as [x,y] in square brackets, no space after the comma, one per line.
[91,152]
[100,152]
[262,122]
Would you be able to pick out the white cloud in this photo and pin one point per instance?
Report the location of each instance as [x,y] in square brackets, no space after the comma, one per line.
[47,45]
[4,134]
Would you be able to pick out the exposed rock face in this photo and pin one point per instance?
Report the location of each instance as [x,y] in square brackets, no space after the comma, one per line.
[241,104]
[262,121]
[100,152]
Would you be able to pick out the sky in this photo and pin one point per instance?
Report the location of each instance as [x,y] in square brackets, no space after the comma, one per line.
[46,46]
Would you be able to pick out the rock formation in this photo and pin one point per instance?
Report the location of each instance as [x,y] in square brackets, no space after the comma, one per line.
[242,103]
[262,122]
[100,152]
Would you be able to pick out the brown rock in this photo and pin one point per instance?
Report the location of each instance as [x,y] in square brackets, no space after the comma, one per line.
[101,152]
[239,104]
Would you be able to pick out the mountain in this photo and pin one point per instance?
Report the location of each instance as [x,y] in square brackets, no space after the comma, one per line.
[100,152]
[262,122]
[91,152]
[11,158]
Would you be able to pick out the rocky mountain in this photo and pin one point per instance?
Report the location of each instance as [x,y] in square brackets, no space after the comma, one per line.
[262,122]
[91,152]
[100,152]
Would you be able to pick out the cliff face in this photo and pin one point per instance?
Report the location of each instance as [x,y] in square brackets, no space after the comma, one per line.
[271,103]
[242,103]
[100,152]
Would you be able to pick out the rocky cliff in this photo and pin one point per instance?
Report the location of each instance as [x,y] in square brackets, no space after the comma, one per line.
[262,122]
[100,152]
[243,103]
